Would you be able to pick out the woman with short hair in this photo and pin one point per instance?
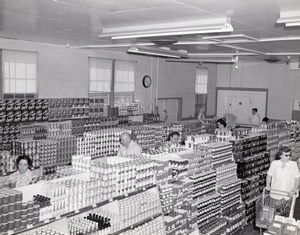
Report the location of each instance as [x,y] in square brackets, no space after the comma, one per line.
[23,176]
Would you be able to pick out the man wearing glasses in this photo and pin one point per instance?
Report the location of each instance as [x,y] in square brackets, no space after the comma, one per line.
[128,146]
[283,174]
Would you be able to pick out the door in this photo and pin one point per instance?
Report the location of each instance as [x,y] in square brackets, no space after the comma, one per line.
[173,106]
[162,105]
[172,110]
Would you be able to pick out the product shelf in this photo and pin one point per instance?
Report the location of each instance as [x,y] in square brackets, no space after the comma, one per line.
[136,224]
[76,212]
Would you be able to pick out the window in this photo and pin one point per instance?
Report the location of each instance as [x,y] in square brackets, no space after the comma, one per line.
[100,75]
[19,72]
[123,98]
[201,90]
[124,76]
[124,82]
[103,97]
[118,89]
[201,81]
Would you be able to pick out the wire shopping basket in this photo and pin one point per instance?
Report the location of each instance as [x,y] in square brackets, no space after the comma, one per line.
[267,207]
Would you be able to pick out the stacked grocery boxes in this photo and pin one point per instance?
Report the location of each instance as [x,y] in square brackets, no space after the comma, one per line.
[253,161]
[100,142]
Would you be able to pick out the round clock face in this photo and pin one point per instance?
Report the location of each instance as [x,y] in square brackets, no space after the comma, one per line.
[146,81]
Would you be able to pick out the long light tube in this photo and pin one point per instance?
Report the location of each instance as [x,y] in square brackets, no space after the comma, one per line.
[135,50]
[289,18]
[226,28]
[292,24]
[215,25]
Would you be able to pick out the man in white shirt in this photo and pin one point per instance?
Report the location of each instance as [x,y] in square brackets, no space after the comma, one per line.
[128,146]
[255,119]
[283,174]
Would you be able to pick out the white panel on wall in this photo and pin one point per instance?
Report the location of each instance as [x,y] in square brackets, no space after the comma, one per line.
[297,105]
[282,83]
[240,103]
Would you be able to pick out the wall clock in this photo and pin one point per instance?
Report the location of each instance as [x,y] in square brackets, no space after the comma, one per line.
[147,81]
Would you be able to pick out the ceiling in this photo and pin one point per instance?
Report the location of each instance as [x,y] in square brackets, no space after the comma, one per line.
[80,22]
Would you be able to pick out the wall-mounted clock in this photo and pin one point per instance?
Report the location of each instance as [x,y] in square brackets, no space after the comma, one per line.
[147,81]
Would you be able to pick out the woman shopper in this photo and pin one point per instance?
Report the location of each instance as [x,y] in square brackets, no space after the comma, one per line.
[23,176]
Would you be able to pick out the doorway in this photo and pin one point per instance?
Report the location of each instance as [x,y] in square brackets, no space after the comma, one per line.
[173,106]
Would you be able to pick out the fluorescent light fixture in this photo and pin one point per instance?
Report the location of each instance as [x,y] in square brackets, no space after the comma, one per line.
[224,38]
[114,45]
[157,52]
[215,25]
[293,24]
[201,61]
[220,54]
[289,18]
[283,53]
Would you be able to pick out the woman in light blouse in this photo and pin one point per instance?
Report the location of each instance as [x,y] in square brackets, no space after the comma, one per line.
[23,176]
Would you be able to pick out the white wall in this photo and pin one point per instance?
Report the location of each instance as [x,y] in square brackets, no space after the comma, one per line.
[283,84]
[178,80]
[63,73]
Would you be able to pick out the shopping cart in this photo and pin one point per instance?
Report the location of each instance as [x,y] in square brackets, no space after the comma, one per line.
[267,207]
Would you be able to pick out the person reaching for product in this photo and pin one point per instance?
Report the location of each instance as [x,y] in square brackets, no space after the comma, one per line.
[283,174]
[128,146]
[23,176]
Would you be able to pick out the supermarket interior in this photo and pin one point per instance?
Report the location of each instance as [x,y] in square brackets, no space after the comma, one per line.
[162,117]
[211,184]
